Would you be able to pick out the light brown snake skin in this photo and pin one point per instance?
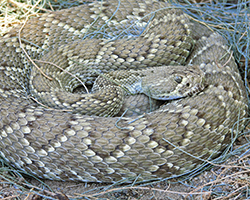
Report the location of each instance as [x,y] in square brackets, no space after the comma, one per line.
[60,145]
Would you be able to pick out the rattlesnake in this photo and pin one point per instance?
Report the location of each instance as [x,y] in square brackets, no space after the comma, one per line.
[104,36]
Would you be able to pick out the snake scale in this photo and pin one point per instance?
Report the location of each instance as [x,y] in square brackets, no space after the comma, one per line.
[104,36]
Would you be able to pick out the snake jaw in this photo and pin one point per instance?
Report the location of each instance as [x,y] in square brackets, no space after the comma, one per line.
[178,95]
[168,98]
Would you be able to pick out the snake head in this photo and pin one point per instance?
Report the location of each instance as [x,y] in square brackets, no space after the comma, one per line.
[173,82]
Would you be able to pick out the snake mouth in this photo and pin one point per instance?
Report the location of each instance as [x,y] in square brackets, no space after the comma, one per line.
[194,90]
[169,98]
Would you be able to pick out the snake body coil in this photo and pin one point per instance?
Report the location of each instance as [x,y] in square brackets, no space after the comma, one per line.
[97,38]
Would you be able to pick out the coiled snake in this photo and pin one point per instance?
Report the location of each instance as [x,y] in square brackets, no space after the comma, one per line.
[96,38]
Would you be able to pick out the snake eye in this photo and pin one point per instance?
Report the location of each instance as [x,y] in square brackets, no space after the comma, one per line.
[178,79]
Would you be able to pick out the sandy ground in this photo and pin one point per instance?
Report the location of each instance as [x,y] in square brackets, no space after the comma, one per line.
[71,190]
